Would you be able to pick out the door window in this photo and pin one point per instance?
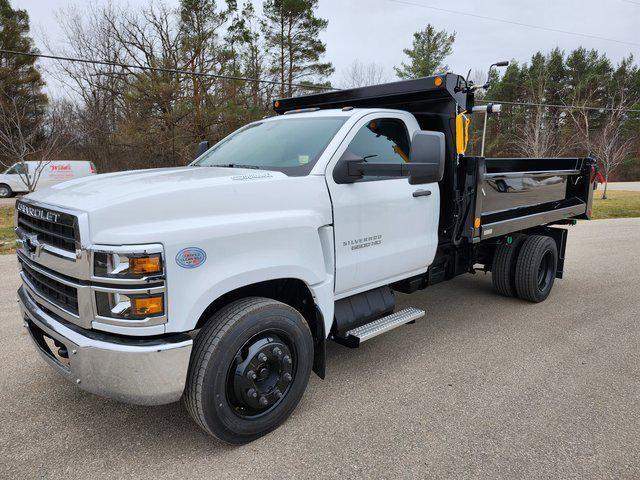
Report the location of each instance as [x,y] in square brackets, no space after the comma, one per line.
[384,140]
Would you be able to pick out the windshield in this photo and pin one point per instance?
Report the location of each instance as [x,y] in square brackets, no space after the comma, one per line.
[17,168]
[288,145]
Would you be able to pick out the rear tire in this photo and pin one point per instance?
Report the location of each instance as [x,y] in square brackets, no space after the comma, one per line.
[5,191]
[503,269]
[536,268]
[249,369]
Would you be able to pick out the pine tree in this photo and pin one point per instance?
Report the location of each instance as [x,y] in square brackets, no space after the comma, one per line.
[201,24]
[292,36]
[20,81]
[244,57]
[429,51]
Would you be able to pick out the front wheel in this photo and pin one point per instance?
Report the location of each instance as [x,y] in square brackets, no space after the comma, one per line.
[249,369]
[5,191]
[536,268]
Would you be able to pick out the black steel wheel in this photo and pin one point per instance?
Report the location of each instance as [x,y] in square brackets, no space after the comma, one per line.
[536,268]
[503,268]
[261,374]
[249,368]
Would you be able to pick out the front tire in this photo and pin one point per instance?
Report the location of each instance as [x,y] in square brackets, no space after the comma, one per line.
[249,369]
[5,191]
[536,268]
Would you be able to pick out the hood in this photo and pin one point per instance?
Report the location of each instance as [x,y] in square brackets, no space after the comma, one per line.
[142,206]
[94,192]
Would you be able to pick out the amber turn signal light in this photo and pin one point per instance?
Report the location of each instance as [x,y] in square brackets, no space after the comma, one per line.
[147,305]
[143,265]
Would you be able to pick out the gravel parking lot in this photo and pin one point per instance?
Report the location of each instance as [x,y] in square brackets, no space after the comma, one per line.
[482,387]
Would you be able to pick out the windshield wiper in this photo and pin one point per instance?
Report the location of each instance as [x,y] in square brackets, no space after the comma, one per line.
[234,165]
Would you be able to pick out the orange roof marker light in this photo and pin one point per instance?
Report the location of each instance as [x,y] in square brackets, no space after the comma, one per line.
[438,81]
[276,104]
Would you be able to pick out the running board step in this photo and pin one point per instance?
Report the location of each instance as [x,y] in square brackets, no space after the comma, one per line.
[382,325]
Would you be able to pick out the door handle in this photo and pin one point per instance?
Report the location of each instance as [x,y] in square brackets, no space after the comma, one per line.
[422,193]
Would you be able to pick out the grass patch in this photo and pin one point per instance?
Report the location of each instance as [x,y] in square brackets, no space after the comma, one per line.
[619,204]
[7,235]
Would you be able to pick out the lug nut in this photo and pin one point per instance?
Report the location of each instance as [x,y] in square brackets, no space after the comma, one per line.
[277,352]
[252,393]
[287,377]
[262,357]
[287,359]
[278,393]
[251,375]
[263,401]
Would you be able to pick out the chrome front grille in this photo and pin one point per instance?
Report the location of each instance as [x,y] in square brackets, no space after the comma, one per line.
[61,295]
[50,227]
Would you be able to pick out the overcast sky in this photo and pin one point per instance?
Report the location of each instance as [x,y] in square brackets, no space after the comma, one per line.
[378,30]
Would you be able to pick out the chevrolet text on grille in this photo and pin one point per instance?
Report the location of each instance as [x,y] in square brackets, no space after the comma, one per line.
[38,213]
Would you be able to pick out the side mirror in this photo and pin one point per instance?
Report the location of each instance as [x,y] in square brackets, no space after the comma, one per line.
[426,162]
[426,157]
[202,147]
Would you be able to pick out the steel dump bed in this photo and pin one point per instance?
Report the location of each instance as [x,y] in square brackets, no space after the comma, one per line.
[513,194]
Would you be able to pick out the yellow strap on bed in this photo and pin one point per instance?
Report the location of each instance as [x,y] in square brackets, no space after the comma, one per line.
[399,151]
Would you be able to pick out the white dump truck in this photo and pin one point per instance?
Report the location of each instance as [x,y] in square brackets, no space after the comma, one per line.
[220,283]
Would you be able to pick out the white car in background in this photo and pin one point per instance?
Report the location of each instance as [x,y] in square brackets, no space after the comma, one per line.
[51,173]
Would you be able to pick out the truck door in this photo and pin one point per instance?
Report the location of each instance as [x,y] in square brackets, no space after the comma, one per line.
[383,232]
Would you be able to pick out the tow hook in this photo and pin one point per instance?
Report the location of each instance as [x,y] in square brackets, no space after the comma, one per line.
[62,350]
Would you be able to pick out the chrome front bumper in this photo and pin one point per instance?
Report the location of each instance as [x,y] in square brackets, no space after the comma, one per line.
[132,370]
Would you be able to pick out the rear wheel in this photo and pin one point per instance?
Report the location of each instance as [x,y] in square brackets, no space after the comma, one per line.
[5,191]
[249,369]
[503,269]
[536,268]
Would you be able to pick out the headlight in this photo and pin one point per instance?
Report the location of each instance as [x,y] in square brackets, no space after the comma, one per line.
[127,265]
[129,307]
[128,284]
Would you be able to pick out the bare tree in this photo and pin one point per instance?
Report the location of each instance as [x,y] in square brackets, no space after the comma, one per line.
[360,74]
[536,137]
[18,144]
[603,133]
[611,145]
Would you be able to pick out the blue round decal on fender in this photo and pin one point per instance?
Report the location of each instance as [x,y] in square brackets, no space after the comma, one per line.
[191,257]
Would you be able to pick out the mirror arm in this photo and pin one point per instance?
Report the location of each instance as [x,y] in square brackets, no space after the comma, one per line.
[360,169]
[357,169]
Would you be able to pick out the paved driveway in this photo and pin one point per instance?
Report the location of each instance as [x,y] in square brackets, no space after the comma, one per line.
[483,387]
[628,186]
